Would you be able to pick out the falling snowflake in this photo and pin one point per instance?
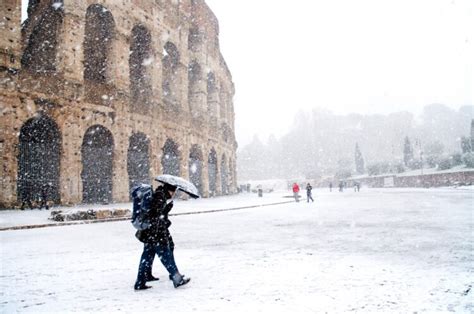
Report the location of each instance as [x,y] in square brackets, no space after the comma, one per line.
[147,61]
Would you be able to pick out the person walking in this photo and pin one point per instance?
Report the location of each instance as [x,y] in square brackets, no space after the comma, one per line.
[157,240]
[330,186]
[309,190]
[44,196]
[26,196]
[296,190]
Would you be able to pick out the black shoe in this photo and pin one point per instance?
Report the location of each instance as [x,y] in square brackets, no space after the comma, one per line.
[180,280]
[151,278]
[141,287]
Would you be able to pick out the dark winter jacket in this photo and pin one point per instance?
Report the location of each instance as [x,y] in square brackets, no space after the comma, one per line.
[158,232]
[308,189]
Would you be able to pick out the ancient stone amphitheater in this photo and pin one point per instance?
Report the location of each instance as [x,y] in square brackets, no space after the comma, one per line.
[99,95]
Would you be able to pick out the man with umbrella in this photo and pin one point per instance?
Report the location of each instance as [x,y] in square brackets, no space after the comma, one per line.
[157,238]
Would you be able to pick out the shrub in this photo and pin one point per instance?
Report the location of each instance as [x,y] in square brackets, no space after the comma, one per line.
[468,160]
[445,163]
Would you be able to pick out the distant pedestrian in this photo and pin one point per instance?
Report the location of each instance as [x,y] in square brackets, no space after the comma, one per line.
[341,186]
[26,196]
[296,190]
[44,196]
[356,187]
[309,196]
[330,186]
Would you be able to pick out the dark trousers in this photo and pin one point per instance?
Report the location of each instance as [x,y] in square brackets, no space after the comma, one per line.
[309,197]
[166,255]
[146,263]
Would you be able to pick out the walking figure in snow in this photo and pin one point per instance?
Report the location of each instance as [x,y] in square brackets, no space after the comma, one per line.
[341,186]
[44,197]
[309,196]
[296,190]
[157,240]
[330,186]
[26,197]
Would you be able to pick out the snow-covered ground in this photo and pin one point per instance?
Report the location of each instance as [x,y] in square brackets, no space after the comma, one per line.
[380,250]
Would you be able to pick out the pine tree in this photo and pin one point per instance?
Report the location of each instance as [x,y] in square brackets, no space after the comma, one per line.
[407,151]
[359,160]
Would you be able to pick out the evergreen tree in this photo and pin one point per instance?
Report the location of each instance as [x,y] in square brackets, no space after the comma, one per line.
[407,151]
[466,145]
[359,160]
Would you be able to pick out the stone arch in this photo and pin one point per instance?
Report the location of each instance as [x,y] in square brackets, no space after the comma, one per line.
[194,39]
[223,103]
[212,170]
[224,175]
[39,160]
[170,160]
[139,62]
[138,159]
[195,167]
[231,180]
[194,80]
[225,132]
[170,74]
[97,165]
[99,33]
[212,101]
[39,55]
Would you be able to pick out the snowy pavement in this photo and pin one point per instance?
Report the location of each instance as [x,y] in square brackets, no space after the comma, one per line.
[380,250]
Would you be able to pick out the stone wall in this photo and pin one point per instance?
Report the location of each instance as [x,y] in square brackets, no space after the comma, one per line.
[426,180]
[123,69]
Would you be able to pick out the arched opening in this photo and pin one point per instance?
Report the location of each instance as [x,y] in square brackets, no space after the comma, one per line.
[195,167]
[97,165]
[138,160]
[39,55]
[194,80]
[224,176]
[170,74]
[170,160]
[223,95]
[194,39]
[225,132]
[140,61]
[212,170]
[99,32]
[39,160]
[212,101]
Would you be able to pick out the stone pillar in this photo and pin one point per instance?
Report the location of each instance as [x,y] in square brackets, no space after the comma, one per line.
[120,174]
[71,160]
[218,173]
[10,41]
[11,121]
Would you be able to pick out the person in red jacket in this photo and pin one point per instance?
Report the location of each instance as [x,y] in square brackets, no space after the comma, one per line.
[296,190]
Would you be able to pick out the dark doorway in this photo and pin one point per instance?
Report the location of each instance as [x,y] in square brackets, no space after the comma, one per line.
[195,167]
[97,160]
[212,170]
[170,160]
[138,160]
[224,176]
[39,160]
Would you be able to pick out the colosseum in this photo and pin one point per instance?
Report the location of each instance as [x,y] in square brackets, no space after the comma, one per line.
[99,95]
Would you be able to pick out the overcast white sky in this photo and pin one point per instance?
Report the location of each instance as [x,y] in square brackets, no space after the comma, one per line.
[365,56]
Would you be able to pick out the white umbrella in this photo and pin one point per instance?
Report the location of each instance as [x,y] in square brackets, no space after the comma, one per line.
[180,183]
